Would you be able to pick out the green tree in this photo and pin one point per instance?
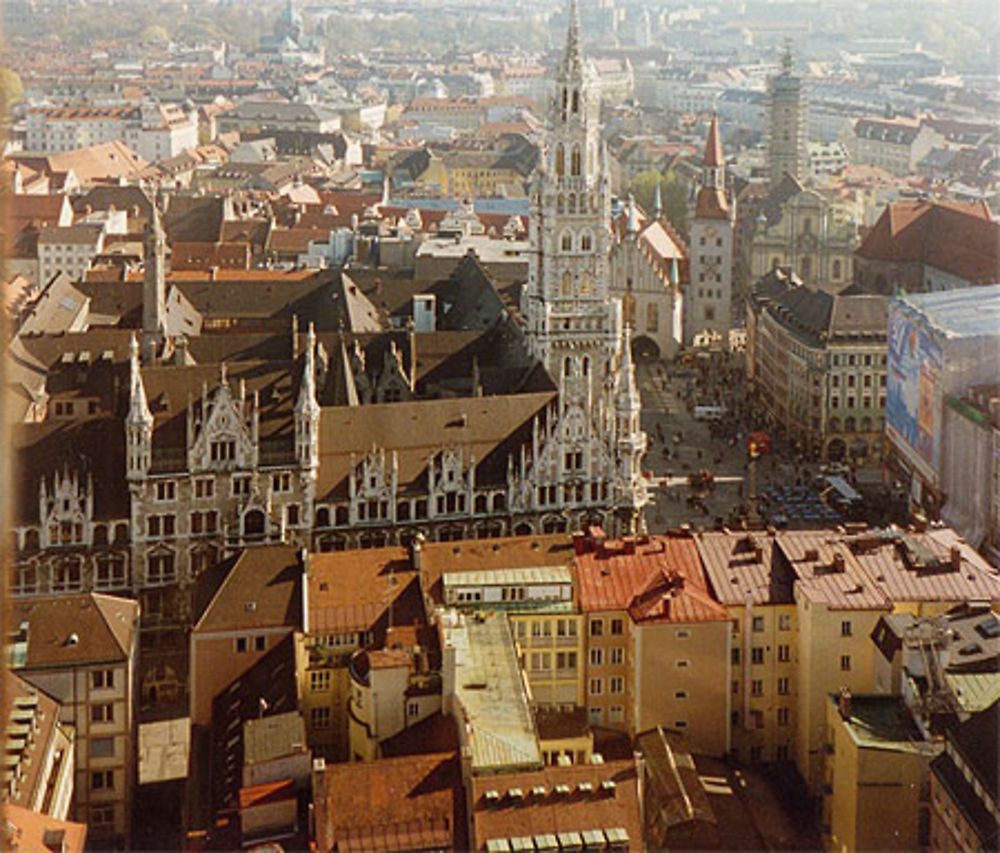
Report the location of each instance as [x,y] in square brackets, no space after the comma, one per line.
[155,33]
[11,88]
[672,196]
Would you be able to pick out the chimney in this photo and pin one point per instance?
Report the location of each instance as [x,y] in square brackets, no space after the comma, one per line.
[956,558]
[844,703]
[838,562]
[417,551]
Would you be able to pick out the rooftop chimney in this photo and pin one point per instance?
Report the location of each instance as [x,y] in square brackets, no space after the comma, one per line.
[416,552]
[844,703]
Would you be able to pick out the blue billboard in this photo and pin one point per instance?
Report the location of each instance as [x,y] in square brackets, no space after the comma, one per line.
[913,402]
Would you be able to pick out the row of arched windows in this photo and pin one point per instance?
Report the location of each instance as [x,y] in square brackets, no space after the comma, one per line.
[566,241]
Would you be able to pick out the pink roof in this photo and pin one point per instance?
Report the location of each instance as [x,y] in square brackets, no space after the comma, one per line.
[656,579]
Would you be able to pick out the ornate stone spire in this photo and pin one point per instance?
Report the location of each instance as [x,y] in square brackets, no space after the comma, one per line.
[657,201]
[572,58]
[307,403]
[138,407]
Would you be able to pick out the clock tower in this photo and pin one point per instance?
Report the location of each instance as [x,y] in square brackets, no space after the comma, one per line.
[708,300]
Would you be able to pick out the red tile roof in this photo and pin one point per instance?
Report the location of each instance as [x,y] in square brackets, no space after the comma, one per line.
[956,237]
[551,813]
[713,146]
[410,803]
[656,579]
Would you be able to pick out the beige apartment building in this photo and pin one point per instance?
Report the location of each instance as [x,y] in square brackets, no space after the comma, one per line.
[81,650]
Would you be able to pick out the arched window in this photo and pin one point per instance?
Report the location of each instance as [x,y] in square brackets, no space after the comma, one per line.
[586,365]
[576,101]
[567,242]
[565,98]
[31,540]
[253,523]
[100,535]
[586,282]
[560,160]
[566,288]
[323,517]
[836,268]
[567,366]
[586,241]
[499,502]
[572,203]
[561,204]
[575,161]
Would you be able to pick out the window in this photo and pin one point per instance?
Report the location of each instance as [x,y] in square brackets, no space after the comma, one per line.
[596,627]
[757,719]
[166,490]
[240,487]
[566,660]
[757,654]
[782,716]
[757,687]
[565,628]
[66,577]
[110,572]
[845,663]
[596,716]
[102,780]
[784,622]
[596,686]
[680,724]
[281,482]
[682,634]
[735,657]
[319,717]
[567,241]
[596,657]
[292,515]
[412,709]
[616,684]
[241,645]
[161,569]
[680,694]
[102,747]
[617,714]
[319,681]
[204,488]
[102,679]
[845,628]
[652,317]
[103,713]
[784,653]
[222,451]
[617,627]
[259,643]
[758,624]
[101,817]
[736,687]
[683,664]
[617,655]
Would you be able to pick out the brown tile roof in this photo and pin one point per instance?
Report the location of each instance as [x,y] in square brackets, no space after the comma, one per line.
[656,578]
[262,590]
[956,237]
[352,591]
[93,446]
[436,733]
[394,804]
[553,813]
[103,626]
[711,204]
[419,429]
[476,555]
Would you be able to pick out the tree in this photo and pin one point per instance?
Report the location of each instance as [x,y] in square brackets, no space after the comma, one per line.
[11,88]
[672,196]
[155,33]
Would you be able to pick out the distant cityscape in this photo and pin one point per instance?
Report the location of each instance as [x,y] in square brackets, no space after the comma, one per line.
[557,427]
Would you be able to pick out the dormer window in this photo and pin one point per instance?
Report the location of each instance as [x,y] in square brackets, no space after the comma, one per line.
[222,451]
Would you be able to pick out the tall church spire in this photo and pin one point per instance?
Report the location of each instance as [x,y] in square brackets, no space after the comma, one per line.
[572,58]
[139,422]
[154,288]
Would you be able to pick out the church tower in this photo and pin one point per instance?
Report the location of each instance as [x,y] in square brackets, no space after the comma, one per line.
[786,124]
[708,300]
[589,455]
[571,325]
[154,289]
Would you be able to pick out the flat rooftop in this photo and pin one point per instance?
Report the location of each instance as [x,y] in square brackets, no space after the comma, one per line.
[490,690]
[882,721]
[966,312]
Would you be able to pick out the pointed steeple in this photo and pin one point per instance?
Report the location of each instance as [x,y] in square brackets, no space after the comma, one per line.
[786,57]
[713,146]
[633,223]
[657,201]
[138,407]
[572,57]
